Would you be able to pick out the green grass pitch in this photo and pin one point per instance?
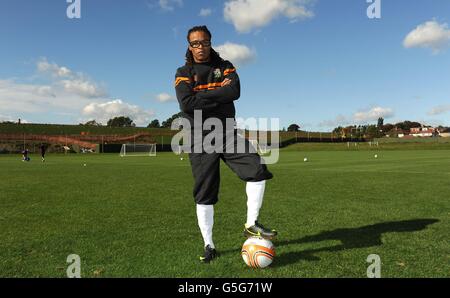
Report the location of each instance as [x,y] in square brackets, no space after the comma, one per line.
[135,216]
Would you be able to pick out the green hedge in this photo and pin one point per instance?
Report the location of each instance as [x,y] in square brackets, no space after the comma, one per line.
[60,129]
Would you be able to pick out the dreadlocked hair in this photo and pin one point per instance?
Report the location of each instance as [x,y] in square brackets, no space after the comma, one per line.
[214,56]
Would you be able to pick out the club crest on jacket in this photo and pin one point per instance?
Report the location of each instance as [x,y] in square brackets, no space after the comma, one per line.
[217,73]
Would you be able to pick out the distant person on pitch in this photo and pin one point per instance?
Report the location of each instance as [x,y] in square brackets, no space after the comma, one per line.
[43,149]
[210,84]
[25,156]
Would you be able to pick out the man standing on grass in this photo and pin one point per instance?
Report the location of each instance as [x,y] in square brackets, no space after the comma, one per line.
[209,84]
[25,156]
[43,149]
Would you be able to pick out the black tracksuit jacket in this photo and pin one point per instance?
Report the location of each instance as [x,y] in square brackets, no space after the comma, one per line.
[198,88]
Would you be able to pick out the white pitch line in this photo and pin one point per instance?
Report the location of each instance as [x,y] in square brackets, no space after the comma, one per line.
[393,172]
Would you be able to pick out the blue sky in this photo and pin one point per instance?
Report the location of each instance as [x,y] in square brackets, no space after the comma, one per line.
[317,63]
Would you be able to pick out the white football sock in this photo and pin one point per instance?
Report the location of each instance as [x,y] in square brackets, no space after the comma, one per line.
[255,195]
[205,217]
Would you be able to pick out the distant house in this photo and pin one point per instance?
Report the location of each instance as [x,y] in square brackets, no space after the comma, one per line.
[396,133]
[423,131]
[445,132]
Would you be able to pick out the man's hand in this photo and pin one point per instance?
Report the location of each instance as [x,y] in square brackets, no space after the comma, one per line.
[226,82]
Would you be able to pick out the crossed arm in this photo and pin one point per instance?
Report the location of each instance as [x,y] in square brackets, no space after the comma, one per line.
[190,100]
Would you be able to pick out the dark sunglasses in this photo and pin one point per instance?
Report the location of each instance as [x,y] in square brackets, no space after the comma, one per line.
[197,43]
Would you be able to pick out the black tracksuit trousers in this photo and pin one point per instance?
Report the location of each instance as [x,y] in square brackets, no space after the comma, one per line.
[246,164]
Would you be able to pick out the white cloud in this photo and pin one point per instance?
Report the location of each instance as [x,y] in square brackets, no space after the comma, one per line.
[439,110]
[169,5]
[340,120]
[67,94]
[4,118]
[29,98]
[429,35]
[373,114]
[17,99]
[246,15]
[165,97]
[359,118]
[433,122]
[82,88]
[236,53]
[204,12]
[57,71]
[44,91]
[73,83]
[102,112]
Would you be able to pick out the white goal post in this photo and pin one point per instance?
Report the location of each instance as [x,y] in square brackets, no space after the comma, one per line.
[138,150]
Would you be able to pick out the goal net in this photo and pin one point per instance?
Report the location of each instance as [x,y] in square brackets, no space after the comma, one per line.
[138,150]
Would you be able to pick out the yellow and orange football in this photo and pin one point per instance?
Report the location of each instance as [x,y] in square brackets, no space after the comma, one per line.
[258,252]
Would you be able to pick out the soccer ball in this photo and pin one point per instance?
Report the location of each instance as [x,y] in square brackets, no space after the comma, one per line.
[258,252]
[376,156]
[305,159]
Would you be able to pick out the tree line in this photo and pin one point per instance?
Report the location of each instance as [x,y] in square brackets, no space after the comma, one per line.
[380,129]
[373,130]
[357,131]
[125,121]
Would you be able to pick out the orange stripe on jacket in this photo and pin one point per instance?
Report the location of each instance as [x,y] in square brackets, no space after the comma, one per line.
[228,71]
[210,86]
[178,80]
